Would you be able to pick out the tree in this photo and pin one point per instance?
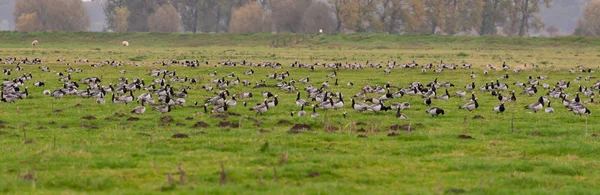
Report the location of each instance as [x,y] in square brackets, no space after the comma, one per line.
[589,24]
[121,19]
[492,16]
[552,30]
[57,15]
[165,19]
[141,9]
[287,14]
[316,17]
[247,19]
[28,23]
[522,16]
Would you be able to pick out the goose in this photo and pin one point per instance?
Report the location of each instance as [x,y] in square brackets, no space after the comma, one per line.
[445,96]
[267,94]
[304,80]
[502,98]
[246,95]
[427,102]
[250,72]
[314,113]
[435,111]
[232,102]
[400,115]
[549,109]
[100,100]
[220,108]
[207,87]
[499,108]
[260,108]
[274,102]
[126,99]
[139,109]
[163,109]
[470,87]
[301,113]
[377,107]
[301,102]
[8,98]
[460,93]
[333,75]
[340,103]
[581,110]
[39,84]
[471,105]
[59,93]
[537,106]
[358,106]
[326,105]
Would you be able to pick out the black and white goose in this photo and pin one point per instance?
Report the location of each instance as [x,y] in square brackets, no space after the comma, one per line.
[435,111]
[260,108]
[301,102]
[220,108]
[301,113]
[537,106]
[499,108]
[445,96]
[471,105]
[139,109]
[314,112]
[359,106]
[232,102]
[427,102]
[400,115]
[549,108]
[163,109]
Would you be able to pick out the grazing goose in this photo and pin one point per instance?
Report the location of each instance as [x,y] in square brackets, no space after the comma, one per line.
[163,109]
[326,105]
[470,87]
[100,100]
[537,106]
[460,93]
[428,102]
[232,102]
[126,99]
[220,108]
[39,84]
[301,102]
[377,107]
[359,106]
[333,75]
[471,105]
[260,108]
[400,115]
[139,109]
[445,96]
[580,110]
[499,108]
[274,102]
[301,113]
[435,111]
[549,109]
[8,98]
[314,112]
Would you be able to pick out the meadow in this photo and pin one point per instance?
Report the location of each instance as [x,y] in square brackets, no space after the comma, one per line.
[73,145]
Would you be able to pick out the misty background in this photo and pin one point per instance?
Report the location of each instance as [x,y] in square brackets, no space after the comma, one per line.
[562,14]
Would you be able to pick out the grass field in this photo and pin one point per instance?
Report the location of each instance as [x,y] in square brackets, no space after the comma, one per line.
[49,148]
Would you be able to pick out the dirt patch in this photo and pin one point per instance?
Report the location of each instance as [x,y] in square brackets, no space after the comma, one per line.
[392,134]
[28,176]
[189,118]
[223,116]
[199,132]
[42,128]
[263,131]
[478,117]
[200,125]
[167,119]
[88,126]
[110,119]
[133,119]
[362,136]
[77,105]
[180,135]
[144,134]
[120,115]
[594,135]
[361,130]
[233,114]
[297,128]
[284,122]
[332,128]
[3,132]
[465,137]
[257,123]
[228,124]
[314,174]
[57,111]
[52,122]
[89,118]
[2,122]
[535,133]
[361,123]
[180,124]
[64,127]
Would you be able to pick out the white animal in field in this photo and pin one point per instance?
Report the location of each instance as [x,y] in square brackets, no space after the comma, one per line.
[125,43]
[35,43]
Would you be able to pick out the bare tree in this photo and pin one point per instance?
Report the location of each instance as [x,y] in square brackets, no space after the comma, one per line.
[316,17]
[552,30]
[247,19]
[589,25]
[121,17]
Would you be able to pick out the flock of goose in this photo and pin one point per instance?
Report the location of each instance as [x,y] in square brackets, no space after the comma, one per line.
[163,96]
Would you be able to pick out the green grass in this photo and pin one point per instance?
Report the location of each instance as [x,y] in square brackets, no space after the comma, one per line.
[113,155]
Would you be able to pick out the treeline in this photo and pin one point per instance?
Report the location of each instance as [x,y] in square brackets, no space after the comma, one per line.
[450,17]
[482,17]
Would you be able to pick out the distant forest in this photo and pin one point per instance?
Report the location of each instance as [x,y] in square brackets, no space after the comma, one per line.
[448,17]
